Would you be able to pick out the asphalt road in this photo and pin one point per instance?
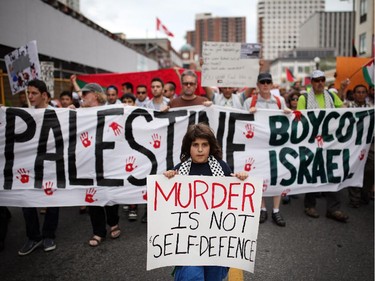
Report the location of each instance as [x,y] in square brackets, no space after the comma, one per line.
[306,249]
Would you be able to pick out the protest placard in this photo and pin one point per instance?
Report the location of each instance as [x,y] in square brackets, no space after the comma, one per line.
[200,220]
[22,66]
[227,64]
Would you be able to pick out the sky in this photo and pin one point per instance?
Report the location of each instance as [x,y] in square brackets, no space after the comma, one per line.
[137,19]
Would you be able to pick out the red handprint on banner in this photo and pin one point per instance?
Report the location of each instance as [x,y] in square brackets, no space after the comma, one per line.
[85,139]
[24,175]
[47,187]
[90,193]
[265,185]
[362,154]
[297,115]
[156,140]
[249,131]
[319,141]
[129,167]
[285,192]
[116,128]
[144,196]
[249,164]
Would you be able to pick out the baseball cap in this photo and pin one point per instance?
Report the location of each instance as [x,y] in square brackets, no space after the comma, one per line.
[264,77]
[92,87]
[317,74]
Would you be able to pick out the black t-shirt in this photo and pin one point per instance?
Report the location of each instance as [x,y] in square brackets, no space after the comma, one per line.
[203,169]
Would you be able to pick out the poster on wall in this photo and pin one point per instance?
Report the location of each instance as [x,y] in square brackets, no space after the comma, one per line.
[22,66]
[47,68]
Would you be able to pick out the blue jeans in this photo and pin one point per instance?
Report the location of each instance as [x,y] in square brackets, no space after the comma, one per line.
[200,273]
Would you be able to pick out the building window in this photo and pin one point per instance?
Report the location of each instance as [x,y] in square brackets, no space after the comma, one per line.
[362,43]
[362,11]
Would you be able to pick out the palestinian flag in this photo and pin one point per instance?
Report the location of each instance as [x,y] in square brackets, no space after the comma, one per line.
[368,72]
[289,75]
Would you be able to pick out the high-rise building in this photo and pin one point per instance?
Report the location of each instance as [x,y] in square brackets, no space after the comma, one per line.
[279,22]
[216,29]
[328,30]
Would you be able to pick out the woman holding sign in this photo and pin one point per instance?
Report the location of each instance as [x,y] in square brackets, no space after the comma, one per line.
[201,155]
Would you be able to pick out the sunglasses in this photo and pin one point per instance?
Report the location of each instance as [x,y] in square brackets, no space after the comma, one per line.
[189,83]
[294,99]
[265,82]
[317,80]
[141,93]
[361,92]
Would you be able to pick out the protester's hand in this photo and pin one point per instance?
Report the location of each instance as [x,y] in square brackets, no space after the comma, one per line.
[170,173]
[201,61]
[207,103]
[73,78]
[71,106]
[287,110]
[344,83]
[164,108]
[240,175]
[252,109]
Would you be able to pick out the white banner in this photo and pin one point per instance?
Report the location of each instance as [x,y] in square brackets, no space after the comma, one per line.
[202,221]
[103,155]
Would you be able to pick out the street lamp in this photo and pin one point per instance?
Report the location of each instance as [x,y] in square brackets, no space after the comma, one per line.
[317,61]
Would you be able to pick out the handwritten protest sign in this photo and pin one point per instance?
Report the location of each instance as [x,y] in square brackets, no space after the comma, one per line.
[108,152]
[230,64]
[202,221]
[22,66]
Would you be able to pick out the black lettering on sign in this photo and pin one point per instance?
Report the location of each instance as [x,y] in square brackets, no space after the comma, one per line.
[11,137]
[50,123]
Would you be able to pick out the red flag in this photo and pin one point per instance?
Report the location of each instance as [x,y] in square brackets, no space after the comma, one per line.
[162,27]
[306,81]
[289,75]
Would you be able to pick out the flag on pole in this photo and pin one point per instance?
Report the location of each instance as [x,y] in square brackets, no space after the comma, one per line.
[368,72]
[163,28]
[289,75]
[306,81]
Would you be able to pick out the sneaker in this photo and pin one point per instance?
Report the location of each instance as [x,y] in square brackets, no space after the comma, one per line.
[263,216]
[29,246]
[49,244]
[125,208]
[278,219]
[132,216]
[144,218]
[312,212]
[337,216]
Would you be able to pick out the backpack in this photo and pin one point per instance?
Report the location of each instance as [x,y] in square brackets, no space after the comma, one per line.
[255,99]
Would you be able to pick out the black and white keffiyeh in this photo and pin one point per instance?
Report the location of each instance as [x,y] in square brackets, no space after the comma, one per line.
[313,104]
[215,167]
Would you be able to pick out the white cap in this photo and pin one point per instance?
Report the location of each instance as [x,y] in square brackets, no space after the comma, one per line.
[317,74]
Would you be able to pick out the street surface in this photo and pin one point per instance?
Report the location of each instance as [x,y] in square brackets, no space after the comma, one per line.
[306,249]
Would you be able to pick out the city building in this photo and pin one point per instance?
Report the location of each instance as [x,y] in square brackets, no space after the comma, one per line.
[75,44]
[328,30]
[301,62]
[364,27]
[73,4]
[160,49]
[279,22]
[216,29]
